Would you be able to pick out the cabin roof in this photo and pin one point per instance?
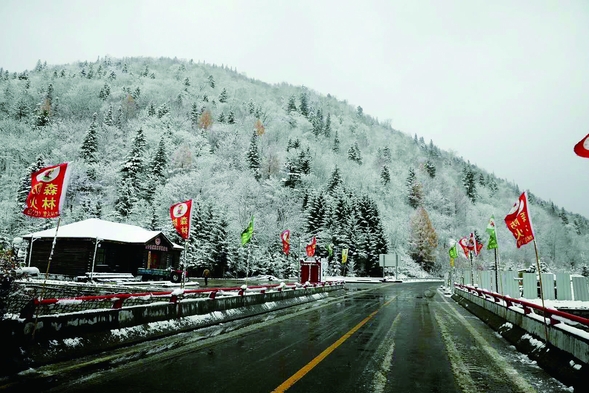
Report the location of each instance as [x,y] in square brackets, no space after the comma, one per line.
[95,228]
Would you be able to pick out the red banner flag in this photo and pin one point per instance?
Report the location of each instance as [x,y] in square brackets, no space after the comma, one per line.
[582,148]
[311,247]
[285,237]
[519,222]
[465,247]
[473,245]
[181,214]
[48,189]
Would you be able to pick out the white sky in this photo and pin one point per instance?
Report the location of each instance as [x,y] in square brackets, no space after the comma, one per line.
[505,84]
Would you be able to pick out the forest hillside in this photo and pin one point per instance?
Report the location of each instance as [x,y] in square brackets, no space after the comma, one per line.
[143,133]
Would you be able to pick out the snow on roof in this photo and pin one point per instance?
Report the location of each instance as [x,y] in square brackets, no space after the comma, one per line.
[96,228]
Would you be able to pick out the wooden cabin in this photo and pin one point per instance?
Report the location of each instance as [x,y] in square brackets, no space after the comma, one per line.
[96,245]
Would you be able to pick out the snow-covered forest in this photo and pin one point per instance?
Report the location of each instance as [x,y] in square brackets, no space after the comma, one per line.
[144,133]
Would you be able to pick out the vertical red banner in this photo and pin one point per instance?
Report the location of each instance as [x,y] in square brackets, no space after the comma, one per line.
[48,190]
[311,247]
[285,237]
[519,222]
[181,214]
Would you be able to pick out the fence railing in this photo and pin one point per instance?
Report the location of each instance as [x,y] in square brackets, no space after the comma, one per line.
[555,286]
[554,316]
[40,306]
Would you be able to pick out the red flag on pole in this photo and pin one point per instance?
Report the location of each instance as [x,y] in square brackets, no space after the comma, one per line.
[285,237]
[465,246]
[48,189]
[181,214]
[311,247]
[582,148]
[519,222]
[473,245]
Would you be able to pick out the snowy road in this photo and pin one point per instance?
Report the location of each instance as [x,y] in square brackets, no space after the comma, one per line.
[385,338]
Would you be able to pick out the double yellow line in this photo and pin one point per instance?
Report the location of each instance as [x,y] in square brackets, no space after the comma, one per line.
[309,366]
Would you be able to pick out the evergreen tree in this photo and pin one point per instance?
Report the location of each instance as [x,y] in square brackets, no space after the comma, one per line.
[159,164]
[304,105]
[253,156]
[109,117]
[231,117]
[133,168]
[186,82]
[327,127]
[89,148]
[104,92]
[336,143]
[385,175]
[126,198]
[25,182]
[423,240]
[221,118]
[163,110]
[335,180]
[223,96]
[354,153]
[470,184]
[414,194]
[317,123]
[292,106]
[430,169]
[211,81]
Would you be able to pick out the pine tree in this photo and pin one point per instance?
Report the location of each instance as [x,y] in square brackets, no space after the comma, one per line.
[25,182]
[104,92]
[336,143]
[133,168]
[327,127]
[163,110]
[304,105]
[221,118]
[211,81]
[109,117]
[223,96]
[89,148]
[414,194]
[430,169]
[385,175]
[253,156]
[231,118]
[126,198]
[423,240]
[159,163]
[292,106]
[470,184]
[335,180]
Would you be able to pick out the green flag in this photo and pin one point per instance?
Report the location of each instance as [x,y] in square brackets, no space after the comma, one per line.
[329,248]
[247,233]
[453,252]
[492,234]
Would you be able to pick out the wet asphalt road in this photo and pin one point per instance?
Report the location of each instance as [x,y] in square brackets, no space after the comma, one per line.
[379,338]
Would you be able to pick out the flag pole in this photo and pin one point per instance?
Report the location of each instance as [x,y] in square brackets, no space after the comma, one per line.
[471,269]
[184,265]
[46,277]
[541,287]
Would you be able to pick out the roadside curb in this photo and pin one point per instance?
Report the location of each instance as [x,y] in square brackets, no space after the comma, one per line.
[557,362]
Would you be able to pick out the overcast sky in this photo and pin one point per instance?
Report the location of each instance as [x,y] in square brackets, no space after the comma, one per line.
[504,84]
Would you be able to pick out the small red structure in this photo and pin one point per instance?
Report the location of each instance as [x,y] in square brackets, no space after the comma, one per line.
[310,270]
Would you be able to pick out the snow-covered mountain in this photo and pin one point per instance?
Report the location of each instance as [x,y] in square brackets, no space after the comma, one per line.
[145,133]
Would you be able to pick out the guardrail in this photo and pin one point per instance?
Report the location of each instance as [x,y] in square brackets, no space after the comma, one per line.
[38,306]
[555,316]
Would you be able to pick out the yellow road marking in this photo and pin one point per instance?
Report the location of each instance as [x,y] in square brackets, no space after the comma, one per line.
[309,366]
